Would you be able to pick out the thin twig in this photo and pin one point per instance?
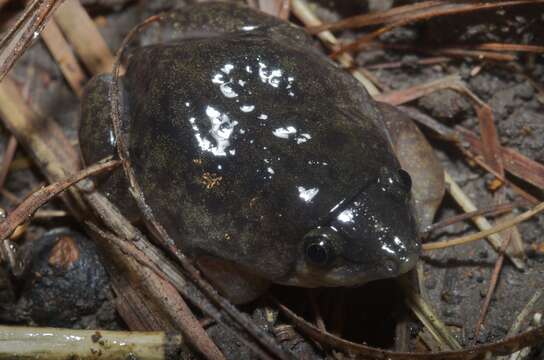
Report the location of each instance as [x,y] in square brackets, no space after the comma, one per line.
[157,261]
[25,31]
[516,163]
[481,222]
[63,54]
[171,300]
[505,346]
[40,197]
[482,234]
[443,9]
[317,311]
[492,285]
[82,33]
[49,214]
[487,211]
[426,314]
[301,10]
[514,329]
[9,154]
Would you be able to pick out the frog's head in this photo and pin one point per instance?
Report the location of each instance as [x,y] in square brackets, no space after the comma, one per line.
[370,236]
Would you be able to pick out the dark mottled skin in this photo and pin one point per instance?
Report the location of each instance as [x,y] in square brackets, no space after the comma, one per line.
[244,139]
[98,142]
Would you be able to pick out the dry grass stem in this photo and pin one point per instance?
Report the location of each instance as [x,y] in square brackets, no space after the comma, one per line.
[392,15]
[488,211]
[514,162]
[316,310]
[511,47]
[40,197]
[491,149]
[480,162]
[482,234]
[35,343]
[505,346]
[400,97]
[7,160]
[408,63]
[481,222]
[278,8]
[82,33]
[50,214]
[409,17]
[64,56]
[492,285]
[424,119]
[301,10]
[524,313]
[25,31]
[171,301]
[33,131]
[428,317]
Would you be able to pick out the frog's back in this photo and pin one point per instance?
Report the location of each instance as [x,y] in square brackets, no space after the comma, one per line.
[244,143]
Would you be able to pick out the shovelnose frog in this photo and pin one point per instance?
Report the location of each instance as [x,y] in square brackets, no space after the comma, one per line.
[264,160]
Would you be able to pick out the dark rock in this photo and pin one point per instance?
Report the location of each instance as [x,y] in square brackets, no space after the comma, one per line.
[66,282]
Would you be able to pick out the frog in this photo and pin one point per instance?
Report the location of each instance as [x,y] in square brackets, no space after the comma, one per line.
[264,160]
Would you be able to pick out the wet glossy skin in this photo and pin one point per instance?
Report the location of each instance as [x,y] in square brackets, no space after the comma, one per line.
[258,153]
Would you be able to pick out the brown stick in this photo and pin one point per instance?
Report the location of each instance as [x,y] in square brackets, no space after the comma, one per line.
[487,211]
[482,234]
[502,347]
[44,137]
[169,298]
[516,163]
[82,33]
[40,197]
[63,54]
[492,285]
[24,32]
[11,147]
[425,14]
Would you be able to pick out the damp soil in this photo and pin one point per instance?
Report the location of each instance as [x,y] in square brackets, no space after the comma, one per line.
[455,279]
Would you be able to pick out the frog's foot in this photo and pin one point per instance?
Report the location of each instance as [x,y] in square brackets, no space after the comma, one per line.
[417,157]
[235,284]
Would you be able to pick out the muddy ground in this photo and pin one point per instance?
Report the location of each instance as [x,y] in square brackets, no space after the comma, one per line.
[456,279]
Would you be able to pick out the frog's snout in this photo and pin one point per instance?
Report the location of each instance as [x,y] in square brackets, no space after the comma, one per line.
[372,236]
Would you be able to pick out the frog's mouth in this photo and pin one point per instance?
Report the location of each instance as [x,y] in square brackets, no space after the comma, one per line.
[348,274]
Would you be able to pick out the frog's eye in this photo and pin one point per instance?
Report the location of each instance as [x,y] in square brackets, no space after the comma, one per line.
[405,180]
[319,251]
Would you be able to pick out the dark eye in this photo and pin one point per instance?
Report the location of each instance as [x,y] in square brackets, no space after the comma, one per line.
[319,251]
[405,180]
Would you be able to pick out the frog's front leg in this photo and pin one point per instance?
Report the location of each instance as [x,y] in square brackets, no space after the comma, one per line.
[97,141]
[417,157]
[234,283]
